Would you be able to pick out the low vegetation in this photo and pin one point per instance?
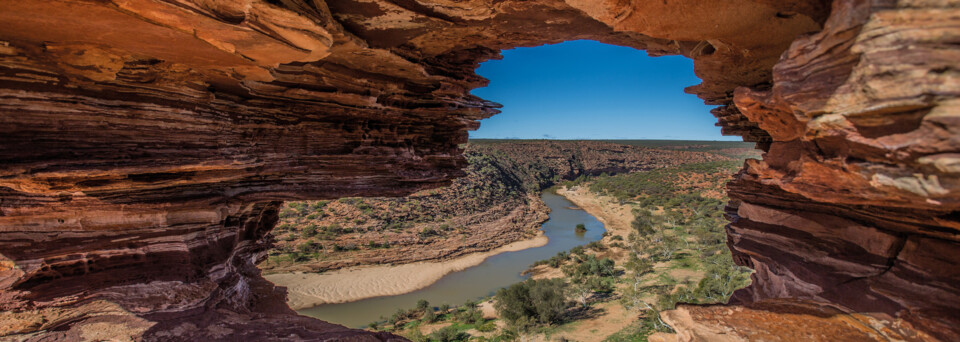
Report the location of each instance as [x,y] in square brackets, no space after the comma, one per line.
[449,323]
[678,224]
[332,234]
[581,228]
[673,253]
[495,203]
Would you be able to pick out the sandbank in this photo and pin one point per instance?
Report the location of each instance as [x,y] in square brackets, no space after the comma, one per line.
[306,290]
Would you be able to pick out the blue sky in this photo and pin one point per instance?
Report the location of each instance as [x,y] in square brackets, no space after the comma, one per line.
[588,90]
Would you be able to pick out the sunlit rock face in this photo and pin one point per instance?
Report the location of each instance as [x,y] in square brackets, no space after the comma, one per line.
[146,145]
[857,202]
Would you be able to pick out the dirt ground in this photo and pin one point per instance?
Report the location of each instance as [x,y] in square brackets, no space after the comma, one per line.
[612,318]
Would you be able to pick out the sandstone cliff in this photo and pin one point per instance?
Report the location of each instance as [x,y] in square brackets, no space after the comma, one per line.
[147,144]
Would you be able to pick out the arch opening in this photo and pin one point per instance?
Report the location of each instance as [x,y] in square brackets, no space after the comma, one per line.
[588,90]
[509,194]
[135,172]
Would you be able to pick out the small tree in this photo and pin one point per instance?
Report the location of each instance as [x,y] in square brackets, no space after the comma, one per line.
[669,244]
[584,286]
[638,268]
[470,315]
[423,304]
[549,299]
[643,222]
[539,300]
[581,290]
[429,316]
[521,328]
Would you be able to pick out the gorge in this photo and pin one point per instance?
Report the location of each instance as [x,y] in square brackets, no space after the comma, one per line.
[444,245]
[497,271]
[148,145]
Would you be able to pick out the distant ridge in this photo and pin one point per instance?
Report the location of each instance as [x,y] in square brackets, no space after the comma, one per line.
[690,145]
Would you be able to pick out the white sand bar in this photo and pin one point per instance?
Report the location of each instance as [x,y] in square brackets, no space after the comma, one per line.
[306,290]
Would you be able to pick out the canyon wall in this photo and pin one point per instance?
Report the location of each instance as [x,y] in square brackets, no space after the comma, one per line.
[856,201]
[147,144]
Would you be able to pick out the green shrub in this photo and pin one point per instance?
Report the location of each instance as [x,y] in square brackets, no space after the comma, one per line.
[470,316]
[309,231]
[486,326]
[287,213]
[449,334]
[319,205]
[422,304]
[591,266]
[541,300]
[596,245]
[397,317]
[427,232]
[429,316]
[415,335]
[307,247]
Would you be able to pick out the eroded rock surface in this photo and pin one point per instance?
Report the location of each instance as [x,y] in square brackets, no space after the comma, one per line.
[784,320]
[856,202]
[146,144]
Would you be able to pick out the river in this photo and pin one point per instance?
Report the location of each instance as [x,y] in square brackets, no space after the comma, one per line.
[495,272]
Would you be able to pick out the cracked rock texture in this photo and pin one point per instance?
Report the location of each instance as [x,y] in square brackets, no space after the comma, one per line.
[147,144]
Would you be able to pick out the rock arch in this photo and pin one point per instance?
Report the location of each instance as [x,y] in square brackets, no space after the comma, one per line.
[147,145]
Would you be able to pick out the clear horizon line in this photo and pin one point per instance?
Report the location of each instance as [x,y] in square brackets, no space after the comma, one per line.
[667,139]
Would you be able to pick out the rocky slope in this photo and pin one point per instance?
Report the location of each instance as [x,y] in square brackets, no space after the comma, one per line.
[485,209]
[147,144]
[496,203]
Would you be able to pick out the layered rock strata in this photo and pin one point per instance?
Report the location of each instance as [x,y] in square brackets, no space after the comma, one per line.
[146,144]
[855,203]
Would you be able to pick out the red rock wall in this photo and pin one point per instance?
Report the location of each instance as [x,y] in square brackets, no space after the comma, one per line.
[145,143]
[856,201]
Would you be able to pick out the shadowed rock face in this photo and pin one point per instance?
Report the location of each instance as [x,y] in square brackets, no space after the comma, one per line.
[146,145]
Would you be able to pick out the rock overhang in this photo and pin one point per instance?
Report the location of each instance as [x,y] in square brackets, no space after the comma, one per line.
[149,141]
